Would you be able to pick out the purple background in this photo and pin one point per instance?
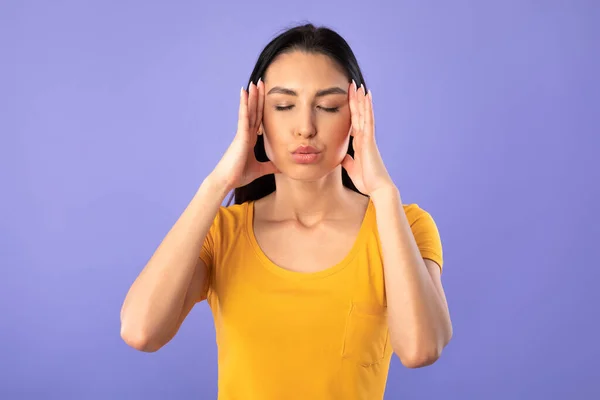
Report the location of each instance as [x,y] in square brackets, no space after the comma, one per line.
[112,113]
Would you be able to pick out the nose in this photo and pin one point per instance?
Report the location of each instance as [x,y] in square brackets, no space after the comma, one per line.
[306,125]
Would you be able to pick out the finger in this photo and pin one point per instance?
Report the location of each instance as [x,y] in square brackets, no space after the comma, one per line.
[261,104]
[251,106]
[361,107]
[369,116]
[243,112]
[354,116]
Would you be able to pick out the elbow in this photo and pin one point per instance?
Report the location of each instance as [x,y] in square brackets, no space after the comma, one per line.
[419,359]
[138,340]
[420,355]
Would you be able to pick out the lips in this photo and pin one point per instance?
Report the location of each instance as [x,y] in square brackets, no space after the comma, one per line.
[306,150]
[306,155]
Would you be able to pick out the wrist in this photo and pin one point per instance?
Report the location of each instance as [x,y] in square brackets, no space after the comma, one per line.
[387,192]
[214,186]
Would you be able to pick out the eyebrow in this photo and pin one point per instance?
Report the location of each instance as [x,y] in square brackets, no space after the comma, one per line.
[320,93]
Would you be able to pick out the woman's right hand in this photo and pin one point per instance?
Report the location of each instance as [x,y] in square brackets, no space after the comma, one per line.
[238,166]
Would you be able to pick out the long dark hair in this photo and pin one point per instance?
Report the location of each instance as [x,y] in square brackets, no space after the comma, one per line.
[311,39]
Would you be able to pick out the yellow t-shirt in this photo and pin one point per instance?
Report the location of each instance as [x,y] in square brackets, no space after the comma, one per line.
[285,335]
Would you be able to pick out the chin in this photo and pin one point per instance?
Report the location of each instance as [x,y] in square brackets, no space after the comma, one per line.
[307,173]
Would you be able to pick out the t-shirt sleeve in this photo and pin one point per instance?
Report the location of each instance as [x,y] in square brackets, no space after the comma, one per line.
[207,254]
[426,235]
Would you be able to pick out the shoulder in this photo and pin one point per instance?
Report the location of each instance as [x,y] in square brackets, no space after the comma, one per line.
[416,213]
[425,232]
[233,212]
[229,220]
[421,221]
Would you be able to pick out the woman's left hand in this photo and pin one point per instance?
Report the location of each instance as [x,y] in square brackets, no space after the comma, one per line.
[366,169]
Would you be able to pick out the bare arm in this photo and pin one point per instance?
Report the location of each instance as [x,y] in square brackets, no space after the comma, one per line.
[173,279]
[419,319]
[418,316]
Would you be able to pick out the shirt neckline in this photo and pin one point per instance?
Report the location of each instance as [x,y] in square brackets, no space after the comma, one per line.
[295,275]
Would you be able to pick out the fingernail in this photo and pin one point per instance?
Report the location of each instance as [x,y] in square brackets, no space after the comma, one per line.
[259,80]
[354,84]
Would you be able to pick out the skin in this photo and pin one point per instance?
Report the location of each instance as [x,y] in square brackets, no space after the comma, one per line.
[306,103]
[302,117]
[310,204]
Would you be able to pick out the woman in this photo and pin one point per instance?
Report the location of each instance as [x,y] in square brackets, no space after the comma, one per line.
[317,274]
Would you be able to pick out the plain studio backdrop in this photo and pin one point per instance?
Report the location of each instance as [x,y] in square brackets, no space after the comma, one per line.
[112,113]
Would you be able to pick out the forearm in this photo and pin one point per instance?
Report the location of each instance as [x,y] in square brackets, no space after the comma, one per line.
[153,305]
[417,313]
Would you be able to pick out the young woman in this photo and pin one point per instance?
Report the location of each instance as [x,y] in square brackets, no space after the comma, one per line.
[318,273]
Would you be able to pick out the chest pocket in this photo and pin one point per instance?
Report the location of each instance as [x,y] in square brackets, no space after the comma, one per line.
[366,337]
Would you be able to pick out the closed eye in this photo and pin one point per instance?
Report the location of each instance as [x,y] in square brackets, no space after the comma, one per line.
[326,109]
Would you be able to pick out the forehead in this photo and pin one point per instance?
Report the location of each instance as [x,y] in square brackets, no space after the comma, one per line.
[304,69]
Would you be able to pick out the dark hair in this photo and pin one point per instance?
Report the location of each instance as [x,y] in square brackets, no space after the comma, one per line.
[310,39]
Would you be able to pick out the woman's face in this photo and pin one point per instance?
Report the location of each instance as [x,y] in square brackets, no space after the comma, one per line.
[306,104]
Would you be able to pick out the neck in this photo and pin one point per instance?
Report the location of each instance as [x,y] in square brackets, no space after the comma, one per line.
[313,199]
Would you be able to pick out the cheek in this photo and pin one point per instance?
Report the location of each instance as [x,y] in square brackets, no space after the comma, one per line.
[342,141]
[340,134]
[342,148]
